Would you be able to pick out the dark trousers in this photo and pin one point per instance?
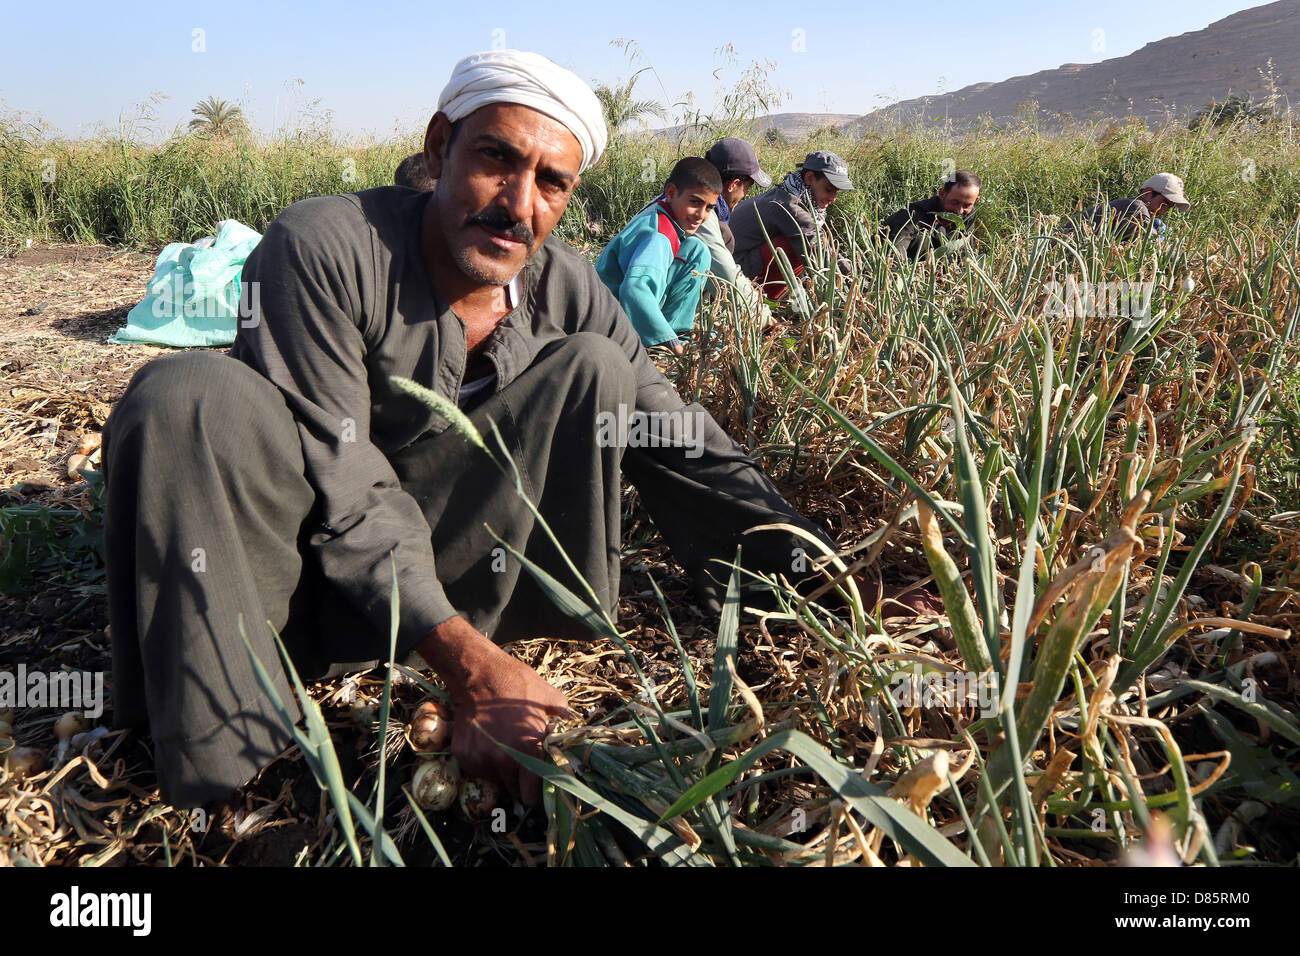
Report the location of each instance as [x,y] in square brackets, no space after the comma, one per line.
[209,514]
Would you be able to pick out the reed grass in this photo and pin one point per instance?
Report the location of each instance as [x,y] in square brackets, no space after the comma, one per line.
[123,189]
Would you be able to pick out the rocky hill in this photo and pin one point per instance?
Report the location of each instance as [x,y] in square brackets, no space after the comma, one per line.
[799,125]
[1168,79]
[792,126]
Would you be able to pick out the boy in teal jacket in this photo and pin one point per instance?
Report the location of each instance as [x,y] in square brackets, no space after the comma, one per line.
[656,265]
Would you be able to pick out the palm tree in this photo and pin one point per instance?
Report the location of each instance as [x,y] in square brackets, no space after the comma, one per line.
[621,109]
[218,118]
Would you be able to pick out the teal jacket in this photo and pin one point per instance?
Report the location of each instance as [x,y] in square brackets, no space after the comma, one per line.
[656,271]
[724,267]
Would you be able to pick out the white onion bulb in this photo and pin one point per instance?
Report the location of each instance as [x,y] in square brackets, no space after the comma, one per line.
[430,728]
[478,798]
[69,724]
[435,783]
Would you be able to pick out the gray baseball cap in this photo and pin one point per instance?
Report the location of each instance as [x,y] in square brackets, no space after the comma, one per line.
[734,157]
[1169,186]
[831,166]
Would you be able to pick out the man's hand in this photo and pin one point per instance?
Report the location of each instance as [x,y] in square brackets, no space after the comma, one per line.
[495,697]
[507,702]
[902,600]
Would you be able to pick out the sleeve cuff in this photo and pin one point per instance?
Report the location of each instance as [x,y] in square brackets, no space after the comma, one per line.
[674,342]
[419,614]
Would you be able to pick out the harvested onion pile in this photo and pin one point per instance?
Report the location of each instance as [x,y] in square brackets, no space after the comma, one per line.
[437,782]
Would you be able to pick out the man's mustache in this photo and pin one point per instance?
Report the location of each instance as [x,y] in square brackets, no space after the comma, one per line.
[501,222]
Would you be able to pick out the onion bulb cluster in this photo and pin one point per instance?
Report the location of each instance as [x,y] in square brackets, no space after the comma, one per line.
[437,783]
[86,456]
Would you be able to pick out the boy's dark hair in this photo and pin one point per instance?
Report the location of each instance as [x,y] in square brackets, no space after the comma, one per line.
[729,175]
[963,178]
[414,174]
[694,171]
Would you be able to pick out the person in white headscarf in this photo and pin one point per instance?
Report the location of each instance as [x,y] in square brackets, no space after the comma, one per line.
[310,483]
[528,79]
[490,232]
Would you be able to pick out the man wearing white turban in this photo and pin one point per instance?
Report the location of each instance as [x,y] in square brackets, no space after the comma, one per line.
[529,79]
[294,467]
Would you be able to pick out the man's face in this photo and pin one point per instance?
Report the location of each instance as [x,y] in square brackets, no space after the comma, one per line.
[690,206]
[735,190]
[502,186]
[959,200]
[1157,203]
[823,192]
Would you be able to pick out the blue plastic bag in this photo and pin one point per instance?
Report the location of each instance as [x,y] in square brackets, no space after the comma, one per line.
[193,297]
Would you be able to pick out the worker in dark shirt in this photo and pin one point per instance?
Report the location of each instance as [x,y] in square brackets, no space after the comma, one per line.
[1139,215]
[790,218]
[274,483]
[933,223]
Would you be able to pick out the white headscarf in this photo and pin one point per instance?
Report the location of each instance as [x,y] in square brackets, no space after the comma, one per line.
[529,79]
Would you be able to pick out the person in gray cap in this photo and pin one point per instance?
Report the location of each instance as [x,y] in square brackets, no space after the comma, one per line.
[737,164]
[1138,215]
[930,223]
[789,217]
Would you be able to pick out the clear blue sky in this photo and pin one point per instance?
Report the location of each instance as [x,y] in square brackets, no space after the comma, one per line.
[379,69]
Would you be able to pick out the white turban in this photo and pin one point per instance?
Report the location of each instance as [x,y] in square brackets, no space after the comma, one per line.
[529,79]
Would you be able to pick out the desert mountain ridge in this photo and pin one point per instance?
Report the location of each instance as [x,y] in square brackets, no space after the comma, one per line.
[1254,52]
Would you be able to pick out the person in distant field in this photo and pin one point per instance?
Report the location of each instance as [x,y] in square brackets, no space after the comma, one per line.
[927,224]
[737,164]
[656,264]
[413,173]
[790,217]
[1139,215]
